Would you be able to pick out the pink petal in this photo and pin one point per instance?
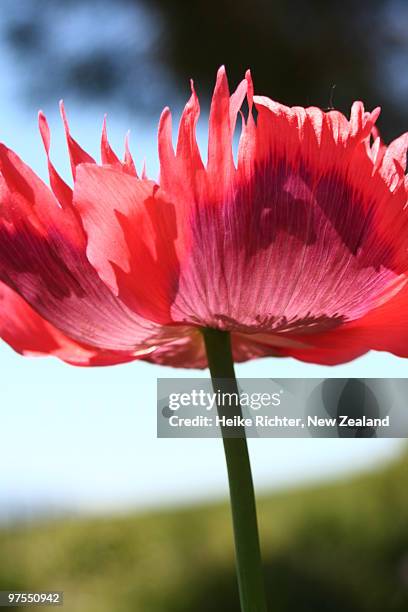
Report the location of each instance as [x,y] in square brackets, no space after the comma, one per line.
[27,333]
[76,152]
[42,257]
[61,190]
[131,234]
[108,155]
[128,163]
[301,248]
[304,233]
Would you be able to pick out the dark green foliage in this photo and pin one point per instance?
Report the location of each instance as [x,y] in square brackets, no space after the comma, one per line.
[337,548]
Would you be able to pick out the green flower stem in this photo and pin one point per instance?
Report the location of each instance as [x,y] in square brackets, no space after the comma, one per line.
[247,549]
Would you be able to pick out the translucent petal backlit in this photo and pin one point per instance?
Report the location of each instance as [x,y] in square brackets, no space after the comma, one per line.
[299,247]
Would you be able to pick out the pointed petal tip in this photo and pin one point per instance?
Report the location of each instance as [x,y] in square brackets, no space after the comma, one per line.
[63,113]
[221,83]
[222,74]
[248,77]
[222,79]
[165,115]
[42,121]
[127,139]
[127,143]
[376,112]
[194,97]
[165,123]
[44,130]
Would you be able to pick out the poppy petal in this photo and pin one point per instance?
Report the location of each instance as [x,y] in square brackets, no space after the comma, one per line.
[384,328]
[131,233]
[42,257]
[61,190]
[31,335]
[303,233]
[76,153]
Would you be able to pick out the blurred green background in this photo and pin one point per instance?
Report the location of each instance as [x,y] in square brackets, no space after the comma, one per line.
[340,547]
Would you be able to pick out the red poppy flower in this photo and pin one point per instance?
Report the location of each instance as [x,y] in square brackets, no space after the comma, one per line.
[298,247]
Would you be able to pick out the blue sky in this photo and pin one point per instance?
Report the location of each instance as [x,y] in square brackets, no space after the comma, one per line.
[85,439]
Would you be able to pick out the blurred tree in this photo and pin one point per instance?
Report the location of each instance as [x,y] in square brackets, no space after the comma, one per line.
[139,52]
